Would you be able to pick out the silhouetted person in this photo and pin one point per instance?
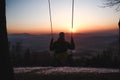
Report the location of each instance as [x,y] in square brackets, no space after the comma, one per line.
[60,48]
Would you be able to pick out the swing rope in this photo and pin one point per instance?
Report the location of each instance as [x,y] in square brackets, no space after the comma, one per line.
[50,18]
[72,23]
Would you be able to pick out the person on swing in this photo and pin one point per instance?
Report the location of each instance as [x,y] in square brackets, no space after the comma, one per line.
[60,48]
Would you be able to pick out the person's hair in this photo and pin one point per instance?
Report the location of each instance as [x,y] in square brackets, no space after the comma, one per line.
[61,34]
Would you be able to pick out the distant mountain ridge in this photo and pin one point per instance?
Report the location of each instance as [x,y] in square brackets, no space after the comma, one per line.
[83,41]
[18,34]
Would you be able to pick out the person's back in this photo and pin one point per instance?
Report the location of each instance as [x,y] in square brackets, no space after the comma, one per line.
[60,47]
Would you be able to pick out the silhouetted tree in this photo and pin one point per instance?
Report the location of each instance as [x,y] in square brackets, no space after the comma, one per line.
[6,69]
[27,58]
[119,34]
[111,3]
[18,52]
[18,47]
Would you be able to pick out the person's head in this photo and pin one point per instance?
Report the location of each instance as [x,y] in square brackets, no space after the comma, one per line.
[61,34]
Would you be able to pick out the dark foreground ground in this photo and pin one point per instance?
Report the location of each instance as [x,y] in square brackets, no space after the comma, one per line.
[73,76]
[61,74]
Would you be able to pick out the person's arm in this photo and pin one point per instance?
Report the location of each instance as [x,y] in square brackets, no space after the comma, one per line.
[51,45]
[72,44]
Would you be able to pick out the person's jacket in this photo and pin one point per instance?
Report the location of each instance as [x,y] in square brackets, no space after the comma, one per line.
[61,45]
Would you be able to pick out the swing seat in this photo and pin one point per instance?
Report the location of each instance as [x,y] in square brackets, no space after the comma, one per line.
[63,59]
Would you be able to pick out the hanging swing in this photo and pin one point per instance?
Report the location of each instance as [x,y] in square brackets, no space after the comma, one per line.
[50,16]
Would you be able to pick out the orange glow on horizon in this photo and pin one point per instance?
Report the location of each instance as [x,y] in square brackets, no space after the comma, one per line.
[73,30]
[57,31]
[45,29]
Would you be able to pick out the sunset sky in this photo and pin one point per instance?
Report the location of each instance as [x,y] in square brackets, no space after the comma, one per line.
[32,16]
